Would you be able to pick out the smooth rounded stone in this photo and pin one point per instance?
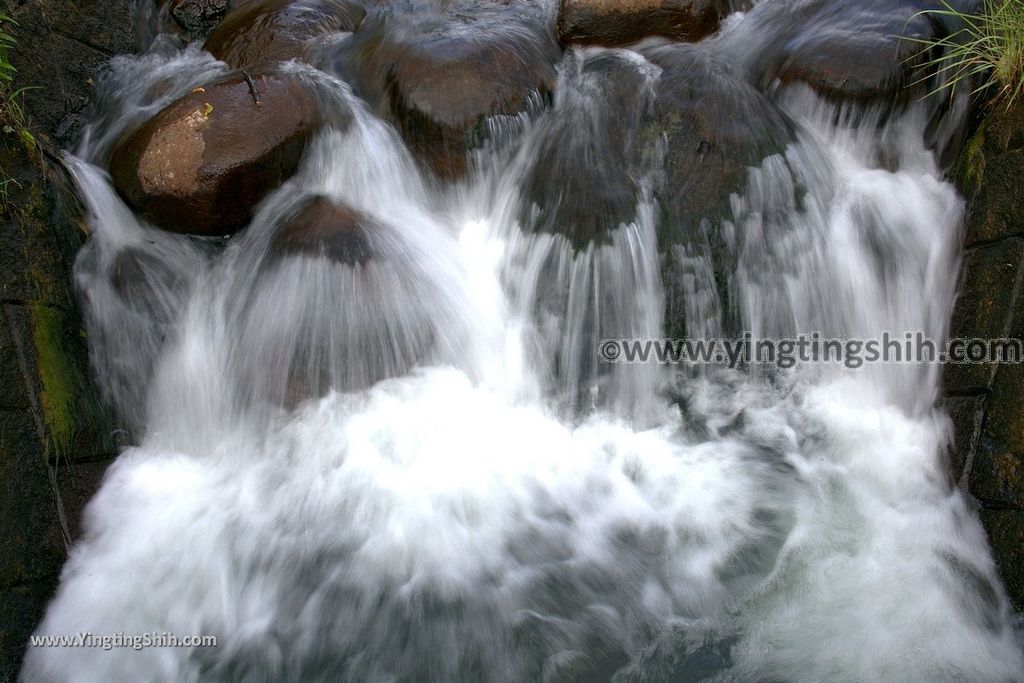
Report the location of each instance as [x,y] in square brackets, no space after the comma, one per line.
[356,310]
[716,127]
[713,128]
[323,228]
[438,77]
[864,50]
[584,162]
[202,164]
[265,31]
[620,22]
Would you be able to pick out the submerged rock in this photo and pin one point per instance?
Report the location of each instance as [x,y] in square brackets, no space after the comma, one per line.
[267,31]
[619,22]
[359,310]
[201,165]
[439,77]
[321,227]
[584,163]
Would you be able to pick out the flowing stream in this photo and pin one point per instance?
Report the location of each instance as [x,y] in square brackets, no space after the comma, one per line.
[415,468]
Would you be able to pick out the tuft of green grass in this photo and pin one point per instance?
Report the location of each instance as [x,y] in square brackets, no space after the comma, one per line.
[989,48]
[12,115]
[7,43]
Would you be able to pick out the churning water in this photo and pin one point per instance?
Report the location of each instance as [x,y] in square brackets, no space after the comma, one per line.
[414,468]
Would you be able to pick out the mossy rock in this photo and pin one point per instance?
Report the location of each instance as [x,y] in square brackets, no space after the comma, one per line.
[61,379]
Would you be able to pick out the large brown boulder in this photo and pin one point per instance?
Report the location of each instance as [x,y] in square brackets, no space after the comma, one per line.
[202,164]
[619,22]
[267,31]
[438,78]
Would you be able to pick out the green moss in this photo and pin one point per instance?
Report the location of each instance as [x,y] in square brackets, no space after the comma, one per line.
[973,162]
[57,376]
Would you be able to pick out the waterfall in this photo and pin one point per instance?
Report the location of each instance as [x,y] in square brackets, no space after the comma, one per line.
[401,459]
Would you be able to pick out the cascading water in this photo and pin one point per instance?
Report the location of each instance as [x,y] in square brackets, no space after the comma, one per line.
[402,461]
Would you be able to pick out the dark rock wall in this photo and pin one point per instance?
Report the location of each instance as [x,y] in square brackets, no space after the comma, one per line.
[986,400]
[61,46]
[56,437]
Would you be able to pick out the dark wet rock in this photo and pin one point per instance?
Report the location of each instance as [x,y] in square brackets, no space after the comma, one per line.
[358,311]
[990,436]
[584,177]
[439,78]
[711,128]
[267,31]
[864,50]
[620,22]
[715,127]
[51,413]
[997,474]
[202,164]
[987,172]
[1005,530]
[989,275]
[199,17]
[968,414]
[62,45]
[321,227]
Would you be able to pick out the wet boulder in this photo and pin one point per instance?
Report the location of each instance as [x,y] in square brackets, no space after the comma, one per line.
[202,164]
[620,22]
[439,77]
[359,307]
[714,127]
[713,132]
[584,162]
[865,50]
[266,31]
[323,228]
